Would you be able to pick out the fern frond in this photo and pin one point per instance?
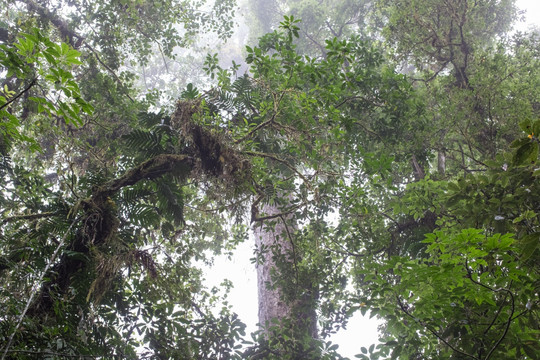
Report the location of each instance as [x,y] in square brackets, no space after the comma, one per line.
[144,215]
[130,196]
[146,142]
[171,200]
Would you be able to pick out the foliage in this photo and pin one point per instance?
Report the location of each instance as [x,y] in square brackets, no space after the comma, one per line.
[470,297]
[37,61]
[103,228]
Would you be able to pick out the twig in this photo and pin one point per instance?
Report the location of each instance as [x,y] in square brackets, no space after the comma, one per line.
[434,75]
[19,94]
[163,57]
[293,248]
[265,123]
[255,129]
[57,21]
[496,315]
[512,307]
[51,353]
[268,217]
[108,69]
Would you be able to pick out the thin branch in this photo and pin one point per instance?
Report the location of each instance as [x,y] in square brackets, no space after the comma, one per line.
[273,216]
[57,21]
[219,209]
[19,94]
[512,307]
[349,253]
[36,288]
[150,169]
[402,307]
[51,353]
[29,217]
[108,69]
[293,248]
[496,315]
[443,66]
[265,123]
[163,57]
[508,322]
[321,48]
[255,129]
[274,157]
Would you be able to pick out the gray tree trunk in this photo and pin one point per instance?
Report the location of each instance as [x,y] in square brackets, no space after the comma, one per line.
[295,305]
[272,302]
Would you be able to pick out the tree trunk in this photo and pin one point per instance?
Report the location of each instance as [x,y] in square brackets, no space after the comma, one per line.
[417,169]
[286,302]
[273,238]
[441,163]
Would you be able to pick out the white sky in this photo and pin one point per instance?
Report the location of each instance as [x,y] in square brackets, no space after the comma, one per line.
[361,331]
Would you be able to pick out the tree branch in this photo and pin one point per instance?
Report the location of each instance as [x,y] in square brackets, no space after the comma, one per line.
[57,21]
[278,215]
[35,289]
[29,216]
[512,307]
[274,157]
[111,71]
[51,353]
[402,307]
[150,169]
[34,81]
[265,123]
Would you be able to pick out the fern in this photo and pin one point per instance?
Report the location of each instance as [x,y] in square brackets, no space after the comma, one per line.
[245,93]
[171,200]
[144,215]
[149,120]
[146,142]
[130,196]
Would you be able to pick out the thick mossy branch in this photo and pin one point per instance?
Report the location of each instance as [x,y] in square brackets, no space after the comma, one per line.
[209,155]
[150,169]
[100,222]
[67,34]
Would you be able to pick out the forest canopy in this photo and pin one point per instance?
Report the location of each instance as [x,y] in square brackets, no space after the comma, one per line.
[381,156]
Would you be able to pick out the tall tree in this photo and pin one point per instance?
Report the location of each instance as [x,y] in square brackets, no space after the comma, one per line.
[101,229]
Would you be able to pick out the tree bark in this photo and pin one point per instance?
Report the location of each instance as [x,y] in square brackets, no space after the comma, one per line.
[272,303]
[283,298]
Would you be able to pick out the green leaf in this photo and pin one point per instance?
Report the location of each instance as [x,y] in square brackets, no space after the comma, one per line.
[526,126]
[529,244]
[526,153]
[536,128]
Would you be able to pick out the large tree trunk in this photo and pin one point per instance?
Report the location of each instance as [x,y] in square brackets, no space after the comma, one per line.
[272,236]
[286,302]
